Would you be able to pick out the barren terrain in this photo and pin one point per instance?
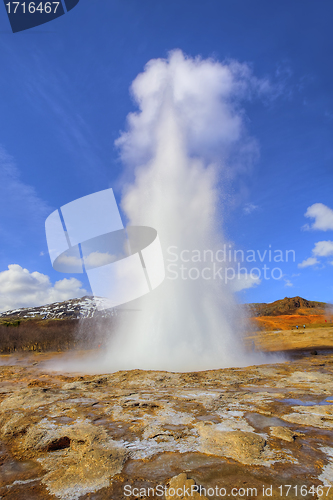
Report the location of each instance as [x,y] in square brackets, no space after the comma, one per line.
[113,436]
[72,437]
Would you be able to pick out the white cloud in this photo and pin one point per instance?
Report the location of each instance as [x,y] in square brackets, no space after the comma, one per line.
[288,283]
[73,264]
[249,208]
[69,263]
[20,288]
[96,259]
[311,261]
[322,215]
[244,280]
[323,248]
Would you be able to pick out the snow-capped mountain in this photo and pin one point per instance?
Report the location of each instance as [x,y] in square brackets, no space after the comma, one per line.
[85,307]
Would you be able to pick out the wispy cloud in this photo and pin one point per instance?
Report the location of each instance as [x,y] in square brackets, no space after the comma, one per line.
[51,93]
[249,208]
[288,283]
[311,261]
[322,215]
[323,248]
[245,280]
[21,208]
[323,221]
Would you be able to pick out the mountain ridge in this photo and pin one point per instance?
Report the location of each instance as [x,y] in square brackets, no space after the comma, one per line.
[287,306]
[83,307]
[87,307]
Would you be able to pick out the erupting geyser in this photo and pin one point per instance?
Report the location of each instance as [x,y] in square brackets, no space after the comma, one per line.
[177,151]
[177,146]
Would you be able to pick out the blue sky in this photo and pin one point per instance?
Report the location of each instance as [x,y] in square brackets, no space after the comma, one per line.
[65,97]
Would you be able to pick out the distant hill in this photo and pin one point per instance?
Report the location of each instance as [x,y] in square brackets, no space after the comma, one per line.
[288,305]
[84,307]
[71,324]
[55,327]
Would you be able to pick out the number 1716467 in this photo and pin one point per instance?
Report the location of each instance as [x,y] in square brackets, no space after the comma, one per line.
[32,7]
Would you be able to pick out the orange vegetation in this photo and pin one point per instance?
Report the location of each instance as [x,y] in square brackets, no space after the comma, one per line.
[289,321]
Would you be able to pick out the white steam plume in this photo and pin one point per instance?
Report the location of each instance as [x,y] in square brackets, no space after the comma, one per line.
[177,145]
[187,138]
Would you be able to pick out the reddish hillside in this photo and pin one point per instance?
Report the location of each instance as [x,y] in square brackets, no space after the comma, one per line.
[288,305]
[287,313]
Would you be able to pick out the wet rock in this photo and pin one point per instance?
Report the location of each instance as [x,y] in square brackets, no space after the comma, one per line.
[181,488]
[245,447]
[315,382]
[29,398]
[327,472]
[13,425]
[161,433]
[81,458]
[314,416]
[46,436]
[285,433]
[92,432]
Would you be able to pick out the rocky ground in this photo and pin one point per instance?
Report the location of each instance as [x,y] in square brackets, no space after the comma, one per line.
[115,436]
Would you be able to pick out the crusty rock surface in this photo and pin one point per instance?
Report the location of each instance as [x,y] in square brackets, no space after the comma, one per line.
[285,433]
[315,416]
[246,447]
[84,459]
[81,437]
[182,488]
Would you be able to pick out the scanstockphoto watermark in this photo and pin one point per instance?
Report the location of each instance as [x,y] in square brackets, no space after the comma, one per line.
[226,263]
[187,491]
[266,490]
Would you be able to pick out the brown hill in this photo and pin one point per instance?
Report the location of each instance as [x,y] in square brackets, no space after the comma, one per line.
[288,306]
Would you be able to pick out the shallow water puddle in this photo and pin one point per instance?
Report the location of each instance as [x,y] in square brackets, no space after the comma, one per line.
[260,421]
[299,402]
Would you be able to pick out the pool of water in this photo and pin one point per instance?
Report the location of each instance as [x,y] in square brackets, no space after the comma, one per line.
[260,421]
[299,402]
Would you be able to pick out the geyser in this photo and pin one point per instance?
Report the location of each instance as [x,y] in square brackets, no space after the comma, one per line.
[176,150]
[181,150]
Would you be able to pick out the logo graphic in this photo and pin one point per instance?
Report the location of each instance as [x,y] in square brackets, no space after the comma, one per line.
[87,235]
[25,15]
